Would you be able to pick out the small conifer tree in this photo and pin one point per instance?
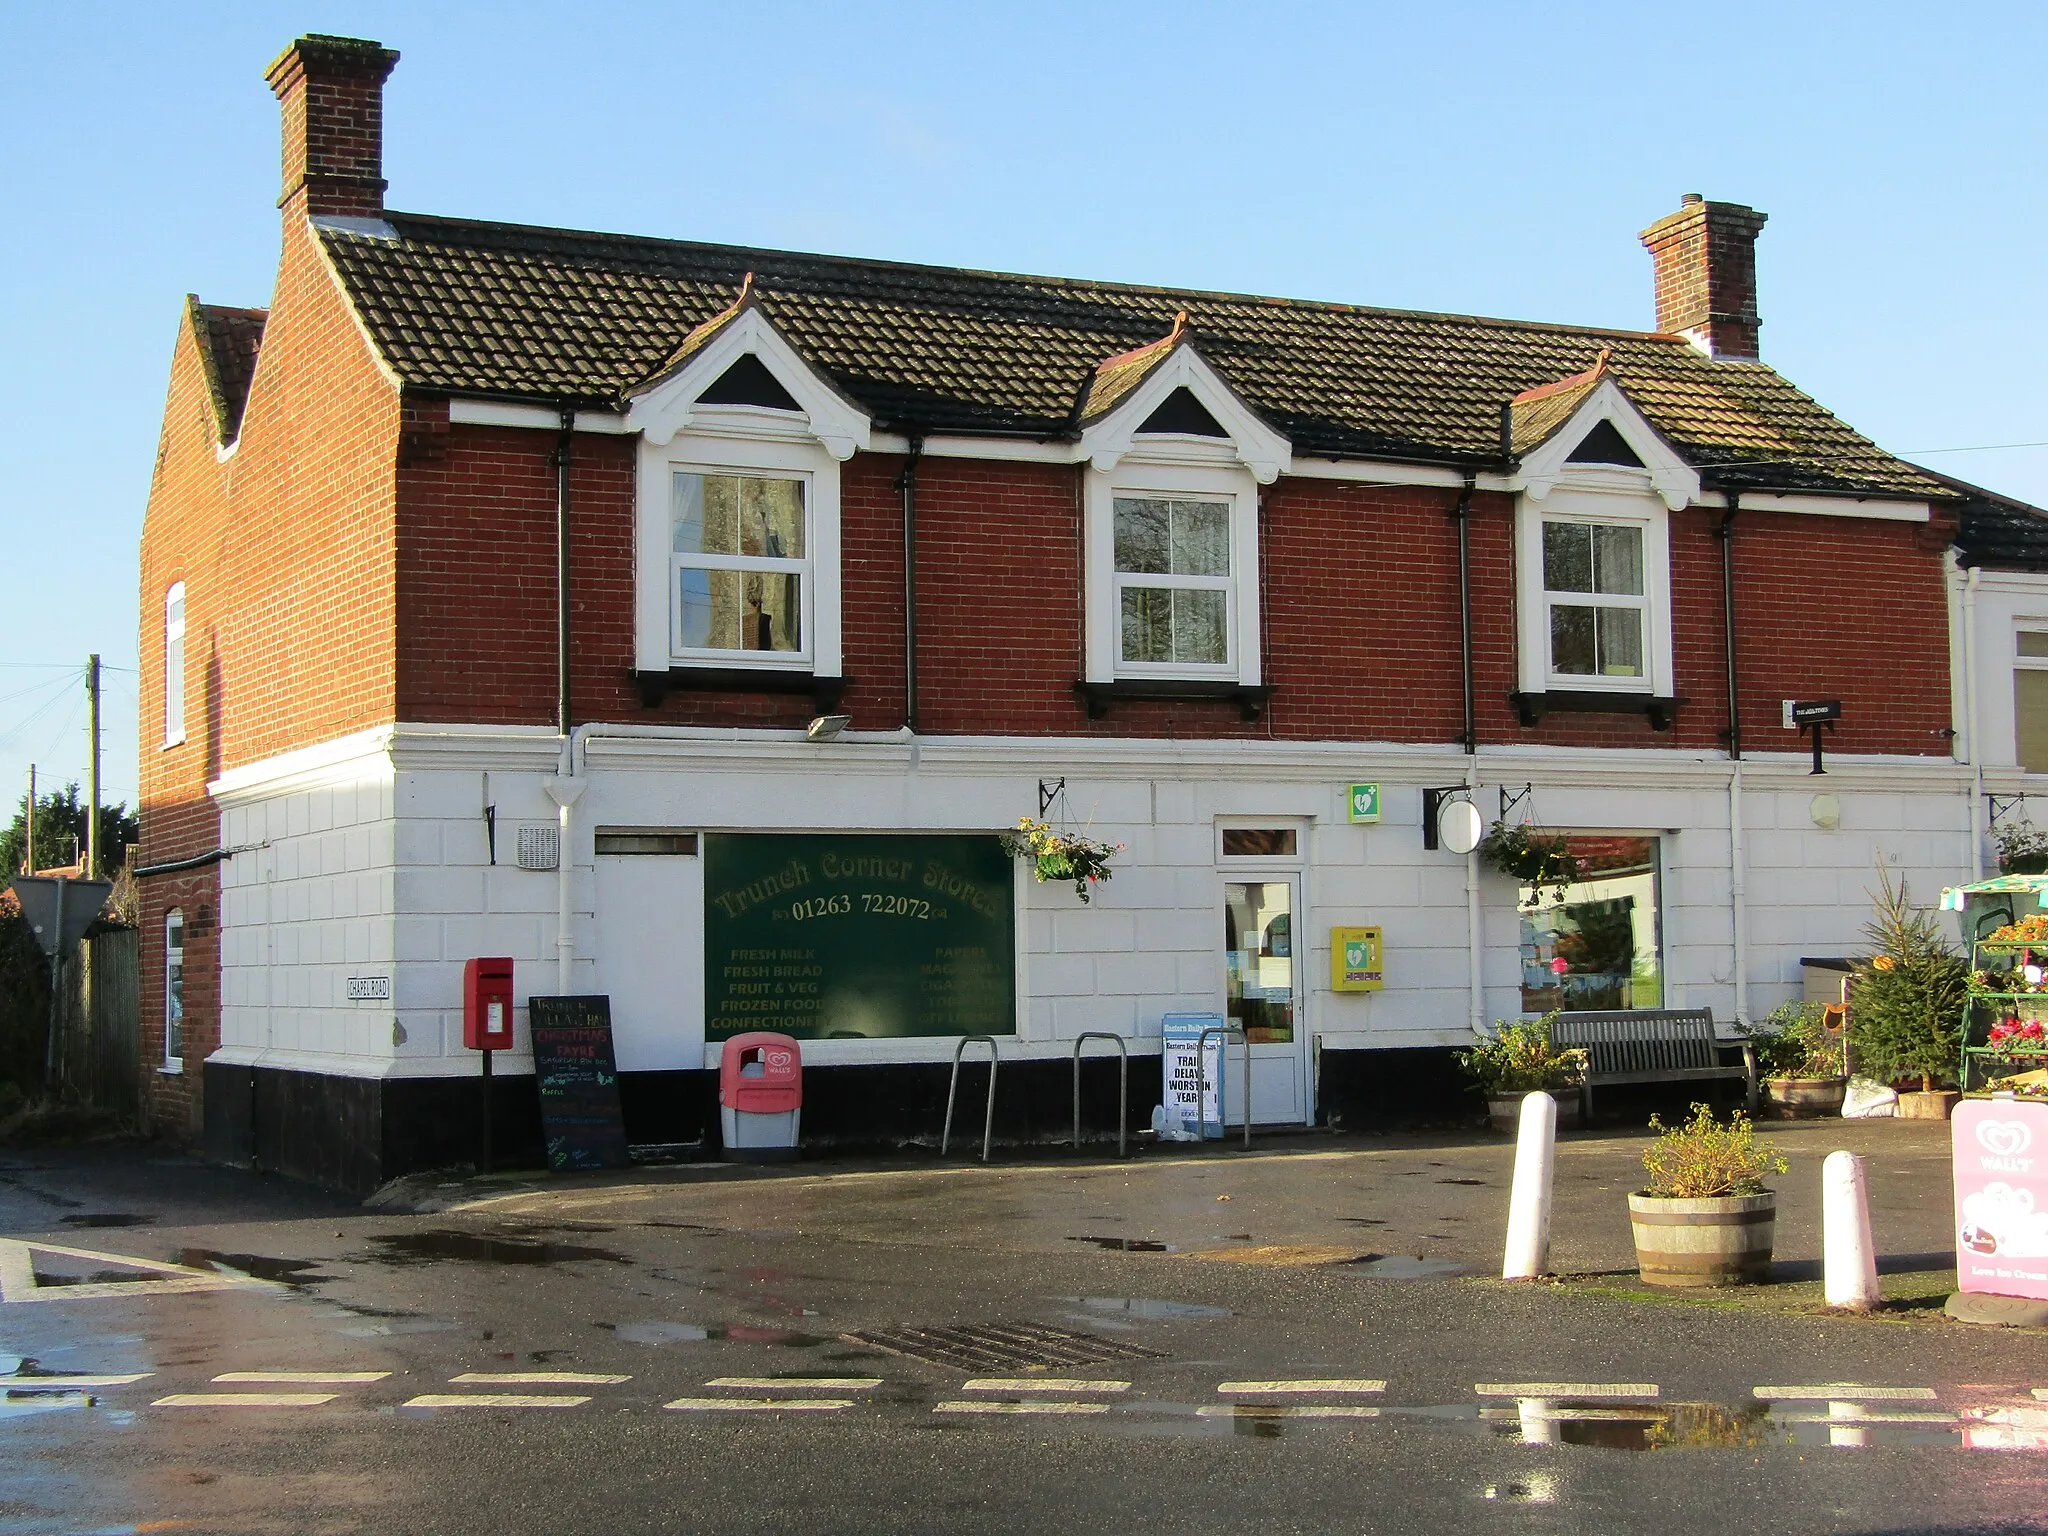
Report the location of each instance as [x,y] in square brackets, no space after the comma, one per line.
[1907,1008]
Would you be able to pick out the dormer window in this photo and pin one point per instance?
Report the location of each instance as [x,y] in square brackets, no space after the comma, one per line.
[739,573]
[1593,587]
[1173,581]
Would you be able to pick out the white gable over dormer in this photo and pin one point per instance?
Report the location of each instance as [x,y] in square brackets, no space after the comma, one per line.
[1661,470]
[1247,440]
[671,403]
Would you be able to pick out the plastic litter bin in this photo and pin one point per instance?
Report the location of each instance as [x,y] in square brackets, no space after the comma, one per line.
[760,1097]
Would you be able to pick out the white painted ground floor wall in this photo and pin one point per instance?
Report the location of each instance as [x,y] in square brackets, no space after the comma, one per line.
[368,857]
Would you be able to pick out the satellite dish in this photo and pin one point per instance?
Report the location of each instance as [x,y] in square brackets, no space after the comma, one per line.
[1457,824]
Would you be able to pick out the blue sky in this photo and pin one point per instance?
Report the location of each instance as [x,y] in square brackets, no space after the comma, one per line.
[1484,158]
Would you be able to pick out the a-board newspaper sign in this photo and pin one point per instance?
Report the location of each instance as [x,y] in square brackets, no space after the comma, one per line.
[1180,1118]
[578,1082]
[2000,1149]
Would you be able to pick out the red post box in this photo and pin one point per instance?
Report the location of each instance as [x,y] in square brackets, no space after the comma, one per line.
[761,1097]
[487,1003]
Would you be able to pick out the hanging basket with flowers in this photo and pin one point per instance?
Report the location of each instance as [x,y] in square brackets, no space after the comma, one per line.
[1542,861]
[1058,855]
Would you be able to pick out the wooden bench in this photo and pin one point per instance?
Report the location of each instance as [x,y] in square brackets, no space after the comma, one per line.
[1661,1045]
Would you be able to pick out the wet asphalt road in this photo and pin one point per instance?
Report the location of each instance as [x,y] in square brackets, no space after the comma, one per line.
[682,1296]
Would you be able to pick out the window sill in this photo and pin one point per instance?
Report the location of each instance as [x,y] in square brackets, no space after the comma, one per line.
[171,1069]
[1532,707]
[1250,698]
[824,692]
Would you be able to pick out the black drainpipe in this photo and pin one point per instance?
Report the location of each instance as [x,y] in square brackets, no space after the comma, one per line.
[1726,534]
[1464,518]
[907,484]
[561,463]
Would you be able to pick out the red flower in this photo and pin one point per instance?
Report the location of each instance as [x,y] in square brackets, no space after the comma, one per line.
[1560,965]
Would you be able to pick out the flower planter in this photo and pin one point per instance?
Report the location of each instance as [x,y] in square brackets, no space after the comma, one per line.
[1505,1113]
[1723,1240]
[1805,1098]
[1937,1105]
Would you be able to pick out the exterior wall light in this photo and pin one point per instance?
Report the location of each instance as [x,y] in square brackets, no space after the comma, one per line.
[827,727]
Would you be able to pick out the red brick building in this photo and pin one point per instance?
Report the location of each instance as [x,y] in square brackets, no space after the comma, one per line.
[1211,560]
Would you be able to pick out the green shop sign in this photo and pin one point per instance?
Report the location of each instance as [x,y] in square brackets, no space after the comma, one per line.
[858,937]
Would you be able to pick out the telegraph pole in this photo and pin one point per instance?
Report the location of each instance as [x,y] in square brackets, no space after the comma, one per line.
[92,825]
[30,824]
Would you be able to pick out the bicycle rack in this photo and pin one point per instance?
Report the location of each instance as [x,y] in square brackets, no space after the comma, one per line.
[988,1124]
[1201,1079]
[1123,1084]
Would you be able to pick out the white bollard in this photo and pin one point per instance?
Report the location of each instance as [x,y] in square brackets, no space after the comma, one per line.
[1528,1247]
[1850,1258]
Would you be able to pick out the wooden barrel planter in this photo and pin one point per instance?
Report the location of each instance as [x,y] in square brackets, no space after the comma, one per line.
[1505,1113]
[1723,1240]
[1805,1098]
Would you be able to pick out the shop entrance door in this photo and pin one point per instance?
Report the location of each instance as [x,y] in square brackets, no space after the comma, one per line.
[1262,989]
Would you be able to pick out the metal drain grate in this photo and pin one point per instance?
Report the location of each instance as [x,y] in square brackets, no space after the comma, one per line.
[1000,1346]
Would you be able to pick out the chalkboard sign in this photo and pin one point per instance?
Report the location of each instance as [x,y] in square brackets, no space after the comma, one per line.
[578,1081]
[850,936]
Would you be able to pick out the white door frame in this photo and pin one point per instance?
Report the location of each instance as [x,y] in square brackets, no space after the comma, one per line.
[1273,869]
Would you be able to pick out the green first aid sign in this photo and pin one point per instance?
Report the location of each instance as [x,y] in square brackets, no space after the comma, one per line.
[1365,802]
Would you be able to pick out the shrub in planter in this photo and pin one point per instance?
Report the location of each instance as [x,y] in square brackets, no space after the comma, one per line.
[1518,1059]
[1907,1005]
[1800,1067]
[1705,1217]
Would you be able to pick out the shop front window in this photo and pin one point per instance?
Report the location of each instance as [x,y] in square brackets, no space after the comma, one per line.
[1597,944]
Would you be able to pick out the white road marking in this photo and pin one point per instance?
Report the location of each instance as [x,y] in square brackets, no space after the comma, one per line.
[1303,1385]
[1566,1389]
[803,1383]
[1880,1416]
[1041,1384]
[69,1383]
[1845,1392]
[536,1379]
[494,1400]
[2041,1393]
[308,1378]
[18,1276]
[759,1404]
[1055,1406]
[1286,1411]
[244,1400]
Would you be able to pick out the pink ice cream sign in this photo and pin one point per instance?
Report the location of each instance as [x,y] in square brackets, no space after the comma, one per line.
[2001,1169]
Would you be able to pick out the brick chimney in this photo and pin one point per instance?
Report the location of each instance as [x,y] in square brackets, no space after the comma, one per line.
[331,90]
[1705,256]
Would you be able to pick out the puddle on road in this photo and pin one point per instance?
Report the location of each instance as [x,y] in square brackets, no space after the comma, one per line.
[1399,1266]
[255,1265]
[1143,1306]
[107,1219]
[694,1333]
[399,1249]
[1127,1244]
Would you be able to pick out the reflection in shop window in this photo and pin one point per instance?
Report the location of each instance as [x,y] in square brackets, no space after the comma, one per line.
[1597,945]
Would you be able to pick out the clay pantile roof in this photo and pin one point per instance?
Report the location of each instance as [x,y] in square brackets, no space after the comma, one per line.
[229,340]
[513,312]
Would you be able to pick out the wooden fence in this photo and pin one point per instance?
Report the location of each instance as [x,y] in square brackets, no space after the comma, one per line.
[99,1036]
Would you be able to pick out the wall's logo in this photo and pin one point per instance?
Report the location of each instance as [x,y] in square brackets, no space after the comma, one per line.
[2004,1138]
